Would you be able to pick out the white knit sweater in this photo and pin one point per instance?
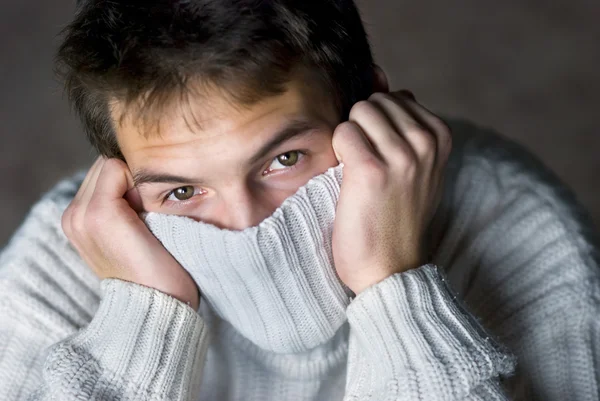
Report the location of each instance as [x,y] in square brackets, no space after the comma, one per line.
[515,270]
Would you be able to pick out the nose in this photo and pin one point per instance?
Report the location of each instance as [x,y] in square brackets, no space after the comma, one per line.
[241,207]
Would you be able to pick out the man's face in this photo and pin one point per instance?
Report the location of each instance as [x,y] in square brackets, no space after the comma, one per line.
[240,164]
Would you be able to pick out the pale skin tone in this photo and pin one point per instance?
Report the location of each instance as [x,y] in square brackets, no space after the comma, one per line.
[240,164]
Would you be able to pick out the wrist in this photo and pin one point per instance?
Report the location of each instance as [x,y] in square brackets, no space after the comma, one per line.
[193,303]
[178,286]
[191,299]
[381,274]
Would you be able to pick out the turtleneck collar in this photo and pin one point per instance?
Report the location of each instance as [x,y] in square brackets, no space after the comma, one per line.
[275,283]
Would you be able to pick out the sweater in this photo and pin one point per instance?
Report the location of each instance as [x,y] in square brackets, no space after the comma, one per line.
[275,283]
[507,307]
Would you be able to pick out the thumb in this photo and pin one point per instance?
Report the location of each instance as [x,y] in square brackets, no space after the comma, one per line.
[350,144]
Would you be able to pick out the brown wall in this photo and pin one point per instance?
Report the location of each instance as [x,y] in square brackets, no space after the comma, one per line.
[526,68]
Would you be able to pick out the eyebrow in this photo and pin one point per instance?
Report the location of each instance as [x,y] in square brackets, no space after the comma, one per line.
[294,129]
[142,177]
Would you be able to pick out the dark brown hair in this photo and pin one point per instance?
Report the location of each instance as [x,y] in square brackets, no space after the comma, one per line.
[147,53]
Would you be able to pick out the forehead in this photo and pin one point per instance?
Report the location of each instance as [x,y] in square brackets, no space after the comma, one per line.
[213,113]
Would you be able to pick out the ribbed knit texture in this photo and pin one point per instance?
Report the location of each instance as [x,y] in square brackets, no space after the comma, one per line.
[450,358]
[275,283]
[514,271]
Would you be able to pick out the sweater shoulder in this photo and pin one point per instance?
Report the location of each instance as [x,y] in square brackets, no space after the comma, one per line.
[45,215]
[491,158]
[523,254]
[504,209]
[43,281]
[498,156]
[64,191]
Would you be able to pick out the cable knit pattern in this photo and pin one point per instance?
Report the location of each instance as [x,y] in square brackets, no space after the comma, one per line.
[514,272]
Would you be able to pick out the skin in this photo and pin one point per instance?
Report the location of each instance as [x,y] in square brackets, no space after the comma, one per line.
[235,182]
[394,153]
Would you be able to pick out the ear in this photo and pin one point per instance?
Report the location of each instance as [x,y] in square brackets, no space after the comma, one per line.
[380,81]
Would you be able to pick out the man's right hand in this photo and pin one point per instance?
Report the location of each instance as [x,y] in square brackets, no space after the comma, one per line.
[112,239]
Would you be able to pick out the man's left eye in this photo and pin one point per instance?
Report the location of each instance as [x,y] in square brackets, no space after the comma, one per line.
[285,160]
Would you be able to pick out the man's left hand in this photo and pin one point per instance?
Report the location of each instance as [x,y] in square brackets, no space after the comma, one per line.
[394,153]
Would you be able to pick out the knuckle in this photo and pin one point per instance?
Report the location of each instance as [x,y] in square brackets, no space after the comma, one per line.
[114,165]
[418,130]
[95,217]
[424,142]
[361,109]
[405,160]
[373,173]
[342,134]
[380,96]
[408,171]
[427,141]
[341,129]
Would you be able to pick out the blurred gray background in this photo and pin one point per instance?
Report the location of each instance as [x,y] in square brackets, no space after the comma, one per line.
[527,68]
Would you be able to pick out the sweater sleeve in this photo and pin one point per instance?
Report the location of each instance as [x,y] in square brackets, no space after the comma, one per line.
[524,256]
[66,335]
[141,345]
[412,339]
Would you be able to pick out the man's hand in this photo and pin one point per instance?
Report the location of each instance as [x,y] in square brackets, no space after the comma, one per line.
[394,153]
[111,238]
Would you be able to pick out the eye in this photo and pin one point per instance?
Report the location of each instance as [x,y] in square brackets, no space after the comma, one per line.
[284,160]
[182,193]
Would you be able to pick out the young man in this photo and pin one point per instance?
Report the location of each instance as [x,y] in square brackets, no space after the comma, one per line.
[215,252]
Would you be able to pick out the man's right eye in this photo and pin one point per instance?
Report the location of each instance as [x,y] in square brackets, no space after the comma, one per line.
[182,193]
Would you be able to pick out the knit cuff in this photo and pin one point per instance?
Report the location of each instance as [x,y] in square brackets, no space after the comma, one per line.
[413,325]
[141,341]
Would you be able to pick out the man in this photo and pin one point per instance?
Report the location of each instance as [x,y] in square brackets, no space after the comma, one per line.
[268,222]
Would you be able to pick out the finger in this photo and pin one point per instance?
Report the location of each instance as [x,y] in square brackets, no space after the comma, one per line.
[86,180]
[379,130]
[433,124]
[396,107]
[90,187]
[350,144]
[113,181]
[72,217]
